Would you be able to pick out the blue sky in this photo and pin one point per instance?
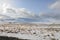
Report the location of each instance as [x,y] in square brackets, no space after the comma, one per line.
[35,6]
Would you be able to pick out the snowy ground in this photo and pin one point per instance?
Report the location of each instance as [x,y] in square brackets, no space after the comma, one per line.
[31,32]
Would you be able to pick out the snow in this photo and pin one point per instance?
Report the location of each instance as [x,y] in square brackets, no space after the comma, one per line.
[31,32]
[38,36]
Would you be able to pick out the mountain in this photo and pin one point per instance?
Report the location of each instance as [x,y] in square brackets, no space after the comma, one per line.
[27,20]
[4,18]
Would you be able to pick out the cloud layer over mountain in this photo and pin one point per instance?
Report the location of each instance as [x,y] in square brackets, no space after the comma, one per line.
[8,11]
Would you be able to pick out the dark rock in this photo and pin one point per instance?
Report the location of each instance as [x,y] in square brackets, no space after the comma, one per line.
[10,38]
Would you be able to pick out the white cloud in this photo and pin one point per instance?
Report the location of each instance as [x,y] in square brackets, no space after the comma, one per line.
[8,10]
[55,5]
[52,16]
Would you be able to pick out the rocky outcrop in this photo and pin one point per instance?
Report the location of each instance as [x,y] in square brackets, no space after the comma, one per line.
[10,38]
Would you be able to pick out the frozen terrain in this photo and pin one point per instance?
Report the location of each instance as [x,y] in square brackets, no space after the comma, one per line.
[31,31]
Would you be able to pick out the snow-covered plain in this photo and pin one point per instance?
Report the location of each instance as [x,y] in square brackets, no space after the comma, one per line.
[31,31]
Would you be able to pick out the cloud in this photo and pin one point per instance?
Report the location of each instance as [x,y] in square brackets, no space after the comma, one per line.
[54,15]
[19,14]
[55,5]
[51,17]
[8,10]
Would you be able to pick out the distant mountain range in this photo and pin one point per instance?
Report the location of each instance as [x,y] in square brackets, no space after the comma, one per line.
[27,20]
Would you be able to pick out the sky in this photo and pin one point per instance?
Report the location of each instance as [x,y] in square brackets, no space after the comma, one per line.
[31,10]
[35,6]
